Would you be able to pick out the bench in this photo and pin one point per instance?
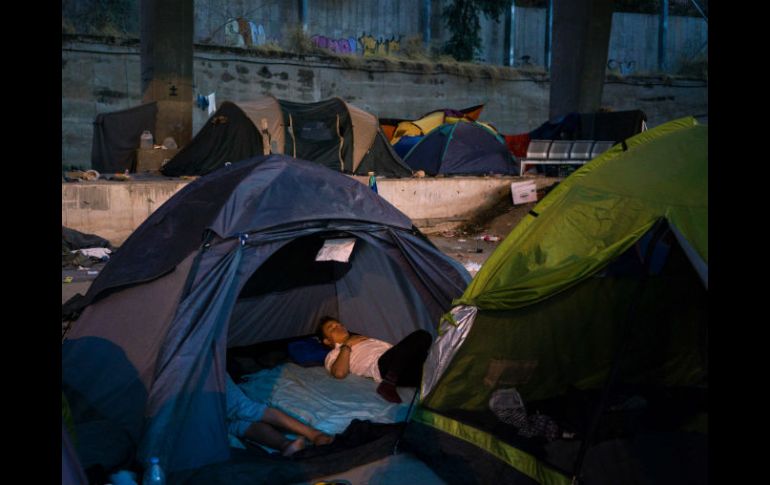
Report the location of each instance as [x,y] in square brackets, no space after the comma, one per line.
[562,152]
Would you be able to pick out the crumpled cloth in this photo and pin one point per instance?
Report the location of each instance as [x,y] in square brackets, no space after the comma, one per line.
[509,408]
[99,253]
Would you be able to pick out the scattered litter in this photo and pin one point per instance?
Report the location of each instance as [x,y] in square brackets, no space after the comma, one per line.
[488,238]
[120,177]
[461,240]
[67,279]
[477,250]
[169,143]
[91,175]
[98,253]
[472,267]
[448,234]
[93,272]
[78,175]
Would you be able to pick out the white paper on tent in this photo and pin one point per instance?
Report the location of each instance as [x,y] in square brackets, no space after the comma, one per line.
[336,250]
[212,103]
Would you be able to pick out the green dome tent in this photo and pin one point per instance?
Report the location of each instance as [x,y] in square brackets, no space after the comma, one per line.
[594,311]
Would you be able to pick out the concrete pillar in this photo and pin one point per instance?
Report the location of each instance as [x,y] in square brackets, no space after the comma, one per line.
[303,9]
[662,34]
[508,41]
[548,35]
[581,38]
[167,65]
[426,15]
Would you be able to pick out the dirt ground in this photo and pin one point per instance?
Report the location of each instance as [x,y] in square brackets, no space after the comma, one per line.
[473,242]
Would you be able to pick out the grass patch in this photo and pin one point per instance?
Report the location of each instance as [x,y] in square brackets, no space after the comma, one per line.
[298,41]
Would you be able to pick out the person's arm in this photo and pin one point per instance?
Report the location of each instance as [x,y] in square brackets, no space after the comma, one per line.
[341,366]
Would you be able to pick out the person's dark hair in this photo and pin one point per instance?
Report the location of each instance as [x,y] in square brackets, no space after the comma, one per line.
[319,331]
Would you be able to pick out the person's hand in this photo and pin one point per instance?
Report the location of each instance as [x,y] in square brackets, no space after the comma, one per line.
[322,439]
[354,339]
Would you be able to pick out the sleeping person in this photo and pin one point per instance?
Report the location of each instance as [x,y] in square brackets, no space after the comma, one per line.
[390,365]
[261,423]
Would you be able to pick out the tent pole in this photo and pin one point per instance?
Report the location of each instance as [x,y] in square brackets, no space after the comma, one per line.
[406,421]
[208,235]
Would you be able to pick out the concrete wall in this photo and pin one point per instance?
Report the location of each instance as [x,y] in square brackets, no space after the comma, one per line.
[633,41]
[337,25]
[331,19]
[98,78]
[113,210]
[513,105]
[334,24]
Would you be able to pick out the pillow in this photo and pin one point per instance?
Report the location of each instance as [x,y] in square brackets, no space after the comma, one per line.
[307,352]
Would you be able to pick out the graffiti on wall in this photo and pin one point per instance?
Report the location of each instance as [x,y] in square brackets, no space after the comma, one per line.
[371,46]
[244,33]
[623,67]
[241,32]
[338,46]
[366,45]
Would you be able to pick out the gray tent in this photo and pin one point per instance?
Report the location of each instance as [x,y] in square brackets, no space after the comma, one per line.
[230,261]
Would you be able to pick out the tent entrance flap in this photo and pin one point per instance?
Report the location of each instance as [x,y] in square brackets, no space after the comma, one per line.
[375,293]
[287,293]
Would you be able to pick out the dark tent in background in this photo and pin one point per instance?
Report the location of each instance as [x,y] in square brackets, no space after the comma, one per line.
[590,318]
[562,128]
[117,136]
[332,133]
[463,148]
[228,136]
[613,126]
[229,261]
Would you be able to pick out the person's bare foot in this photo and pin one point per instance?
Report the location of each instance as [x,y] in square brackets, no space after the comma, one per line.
[294,446]
[322,439]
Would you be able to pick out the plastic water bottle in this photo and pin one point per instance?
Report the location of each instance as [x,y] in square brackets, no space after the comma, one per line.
[145,141]
[154,475]
[372,181]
